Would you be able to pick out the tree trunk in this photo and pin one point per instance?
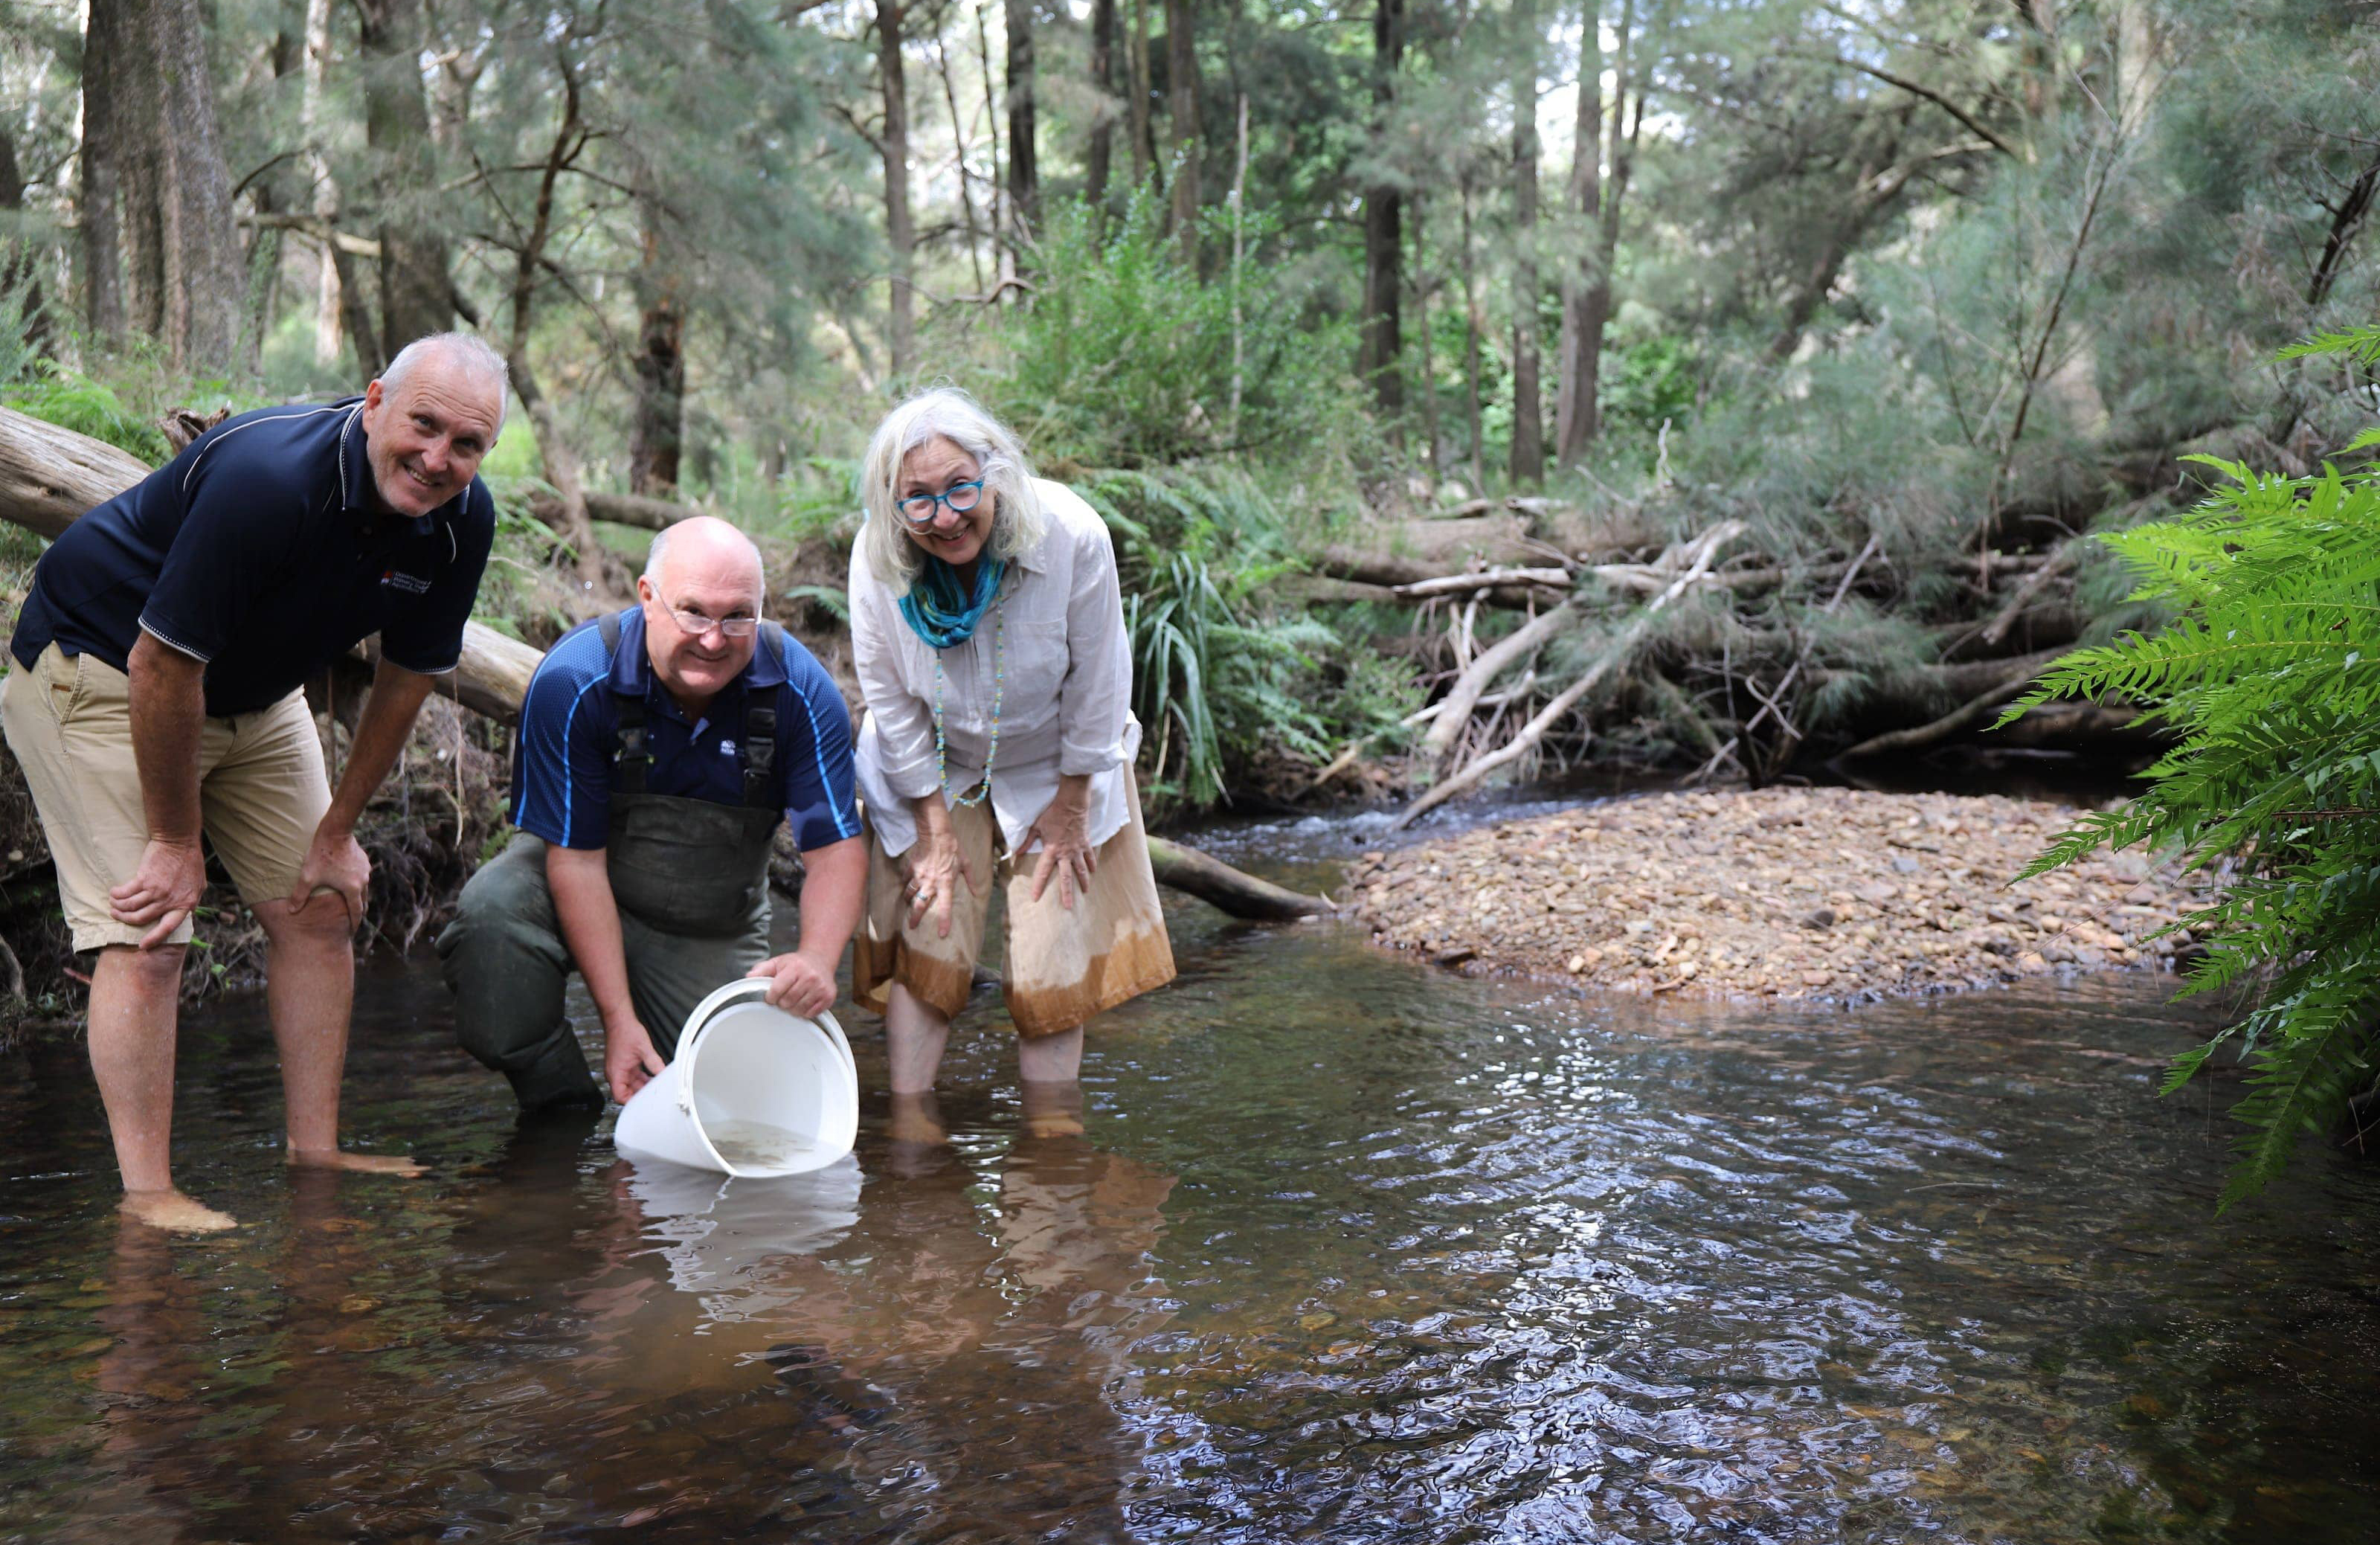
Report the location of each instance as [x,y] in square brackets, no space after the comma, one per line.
[105,65]
[1142,129]
[1023,175]
[157,116]
[966,153]
[1575,389]
[659,431]
[417,294]
[1182,114]
[1430,415]
[325,201]
[1003,255]
[1381,355]
[1472,328]
[1528,462]
[899,236]
[1102,152]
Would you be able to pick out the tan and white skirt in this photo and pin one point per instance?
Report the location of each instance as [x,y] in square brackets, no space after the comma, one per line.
[1063,967]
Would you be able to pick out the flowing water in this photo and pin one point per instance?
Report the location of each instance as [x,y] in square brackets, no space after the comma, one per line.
[1348,1250]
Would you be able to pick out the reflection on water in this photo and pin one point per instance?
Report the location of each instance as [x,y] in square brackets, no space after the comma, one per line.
[1348,1251]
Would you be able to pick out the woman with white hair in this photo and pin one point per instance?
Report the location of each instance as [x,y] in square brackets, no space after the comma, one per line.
[989,636]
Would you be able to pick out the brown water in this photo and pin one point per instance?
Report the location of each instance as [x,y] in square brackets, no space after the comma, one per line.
[1351,1250]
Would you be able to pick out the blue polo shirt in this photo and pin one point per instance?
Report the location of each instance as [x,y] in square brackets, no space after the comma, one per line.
[257,550]
[569,724]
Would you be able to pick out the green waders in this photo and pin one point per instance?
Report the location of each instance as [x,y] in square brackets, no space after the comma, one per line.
[691,879]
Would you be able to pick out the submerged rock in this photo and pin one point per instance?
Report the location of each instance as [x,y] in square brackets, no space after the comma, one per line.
[1800,893]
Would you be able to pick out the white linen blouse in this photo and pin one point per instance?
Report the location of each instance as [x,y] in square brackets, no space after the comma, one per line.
[1057,633]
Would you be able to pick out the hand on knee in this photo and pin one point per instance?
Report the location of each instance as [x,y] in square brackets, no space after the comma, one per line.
[323,919]
[157,971]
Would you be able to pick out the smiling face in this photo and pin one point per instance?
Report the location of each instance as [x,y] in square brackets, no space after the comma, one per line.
[708,568]
[426,435]
[933,468]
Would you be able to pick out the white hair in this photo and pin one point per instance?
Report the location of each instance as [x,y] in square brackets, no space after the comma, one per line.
[474,353]
[1018,520]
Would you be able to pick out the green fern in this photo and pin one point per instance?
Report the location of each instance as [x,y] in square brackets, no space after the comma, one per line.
[2270,671]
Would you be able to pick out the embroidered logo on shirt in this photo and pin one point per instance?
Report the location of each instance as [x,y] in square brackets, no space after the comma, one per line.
[411,584]
[727,747]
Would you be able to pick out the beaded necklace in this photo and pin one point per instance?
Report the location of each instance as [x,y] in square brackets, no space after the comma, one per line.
[979,792]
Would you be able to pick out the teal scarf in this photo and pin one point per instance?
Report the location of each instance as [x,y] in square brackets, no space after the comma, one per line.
[938,608]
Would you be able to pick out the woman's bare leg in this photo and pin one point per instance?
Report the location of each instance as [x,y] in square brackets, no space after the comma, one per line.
[1050,1059]
[915,1035]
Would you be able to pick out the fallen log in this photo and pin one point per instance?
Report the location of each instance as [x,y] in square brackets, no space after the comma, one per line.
[620,509]
[50,476]
[1404,553]
[1965,716]
[1243,896]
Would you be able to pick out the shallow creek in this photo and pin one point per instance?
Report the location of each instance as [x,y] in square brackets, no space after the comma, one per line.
[1351,1250]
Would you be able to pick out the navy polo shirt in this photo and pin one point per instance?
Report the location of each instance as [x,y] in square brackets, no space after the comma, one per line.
[257,550]
[569,725]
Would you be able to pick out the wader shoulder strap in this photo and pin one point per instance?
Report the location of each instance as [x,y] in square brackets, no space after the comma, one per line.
[760,733]
[628,734]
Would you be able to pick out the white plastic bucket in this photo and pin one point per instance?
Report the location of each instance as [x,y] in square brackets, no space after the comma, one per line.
[754,1091]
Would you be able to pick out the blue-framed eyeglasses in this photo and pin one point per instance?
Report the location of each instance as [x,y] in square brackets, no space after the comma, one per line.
[920,509]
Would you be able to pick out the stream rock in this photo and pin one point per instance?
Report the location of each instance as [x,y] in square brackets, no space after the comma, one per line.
[1792,894]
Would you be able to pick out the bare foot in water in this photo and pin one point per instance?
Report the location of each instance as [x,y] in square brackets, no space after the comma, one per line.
[356,1163]
[917,1118]
[171,1209]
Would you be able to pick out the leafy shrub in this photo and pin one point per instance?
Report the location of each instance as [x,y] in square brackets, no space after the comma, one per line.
[56,394]
[1125,356]
[1221,678]
[2270,671]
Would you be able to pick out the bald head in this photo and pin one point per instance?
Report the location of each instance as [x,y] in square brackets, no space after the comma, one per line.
[708,550]
[702,576]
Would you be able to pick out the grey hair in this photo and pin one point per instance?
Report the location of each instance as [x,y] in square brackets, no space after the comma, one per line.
[654,554]
[473,352]
[1018,521]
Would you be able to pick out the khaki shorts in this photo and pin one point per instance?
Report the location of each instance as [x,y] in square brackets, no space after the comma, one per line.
[1063,967]
[261,791]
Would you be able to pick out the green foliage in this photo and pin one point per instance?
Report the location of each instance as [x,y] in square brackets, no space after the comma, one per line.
[2271,671]
[1220,676]
[20,309]
[1125,356]
[57,395]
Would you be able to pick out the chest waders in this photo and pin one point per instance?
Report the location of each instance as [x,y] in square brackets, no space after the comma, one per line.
[690,879]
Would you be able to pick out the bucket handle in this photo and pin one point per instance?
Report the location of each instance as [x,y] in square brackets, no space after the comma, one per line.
[737,992]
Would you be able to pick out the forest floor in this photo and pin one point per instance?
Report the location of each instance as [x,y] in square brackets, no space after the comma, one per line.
[1783,893]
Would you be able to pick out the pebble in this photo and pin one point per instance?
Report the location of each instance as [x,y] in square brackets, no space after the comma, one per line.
[1782,893]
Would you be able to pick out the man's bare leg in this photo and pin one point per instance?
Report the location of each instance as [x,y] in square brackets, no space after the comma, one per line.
[311,992]
[913,1038]
[135,996]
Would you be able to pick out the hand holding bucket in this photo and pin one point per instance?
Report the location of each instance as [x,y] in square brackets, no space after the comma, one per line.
[753,1092]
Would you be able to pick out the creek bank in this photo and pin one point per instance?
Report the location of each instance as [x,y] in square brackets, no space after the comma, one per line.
[1783,893]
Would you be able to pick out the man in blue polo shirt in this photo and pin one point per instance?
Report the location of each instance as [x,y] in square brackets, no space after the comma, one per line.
[162,655]
[659,748]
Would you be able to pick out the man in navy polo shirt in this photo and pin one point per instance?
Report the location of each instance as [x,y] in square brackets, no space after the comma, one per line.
[162,653]
[659,747]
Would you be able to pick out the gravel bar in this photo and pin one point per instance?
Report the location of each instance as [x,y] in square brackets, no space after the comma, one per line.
[1784,892]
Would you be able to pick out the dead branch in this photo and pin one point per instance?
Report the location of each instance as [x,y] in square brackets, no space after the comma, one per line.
[1965,716]
[1700,554]
[1463,698]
